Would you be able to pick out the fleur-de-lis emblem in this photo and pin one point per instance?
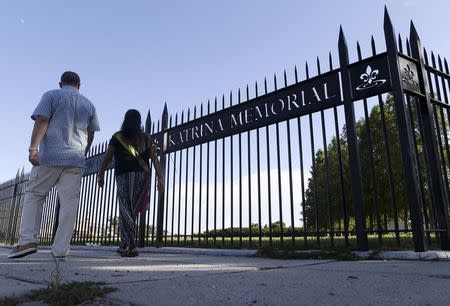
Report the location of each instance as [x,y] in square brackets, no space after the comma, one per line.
[370,75]
[370,79]
[408,76]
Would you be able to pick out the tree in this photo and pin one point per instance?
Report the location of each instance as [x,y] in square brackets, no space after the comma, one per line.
[329,198]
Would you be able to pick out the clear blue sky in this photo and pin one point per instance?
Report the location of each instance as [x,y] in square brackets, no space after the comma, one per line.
[139,54]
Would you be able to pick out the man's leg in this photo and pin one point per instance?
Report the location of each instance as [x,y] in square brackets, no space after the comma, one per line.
[41,180]
[68,187]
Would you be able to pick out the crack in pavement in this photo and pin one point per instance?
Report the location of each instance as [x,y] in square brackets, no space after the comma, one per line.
[257,269]
[24,280]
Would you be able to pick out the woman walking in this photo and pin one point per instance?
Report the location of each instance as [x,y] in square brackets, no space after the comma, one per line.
[131,149]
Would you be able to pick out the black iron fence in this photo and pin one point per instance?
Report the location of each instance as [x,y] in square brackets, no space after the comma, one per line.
[354,155]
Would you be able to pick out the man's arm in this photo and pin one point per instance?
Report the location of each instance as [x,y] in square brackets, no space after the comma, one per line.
[89,141]
[39,129]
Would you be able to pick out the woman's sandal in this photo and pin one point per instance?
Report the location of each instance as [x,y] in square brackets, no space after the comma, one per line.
[129,252]
[121,250]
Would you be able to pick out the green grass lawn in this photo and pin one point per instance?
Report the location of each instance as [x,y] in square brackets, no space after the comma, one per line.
[388,242]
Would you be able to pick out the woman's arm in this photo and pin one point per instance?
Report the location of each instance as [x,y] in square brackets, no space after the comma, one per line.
[157,166]
[105,163]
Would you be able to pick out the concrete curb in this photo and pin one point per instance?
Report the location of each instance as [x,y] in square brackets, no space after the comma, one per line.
[387,255]
[165,250]
[405,255]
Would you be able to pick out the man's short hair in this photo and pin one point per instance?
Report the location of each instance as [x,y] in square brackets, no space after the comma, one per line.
[70,78]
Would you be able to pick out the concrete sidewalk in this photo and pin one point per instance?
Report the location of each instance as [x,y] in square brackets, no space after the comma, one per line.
[193,279]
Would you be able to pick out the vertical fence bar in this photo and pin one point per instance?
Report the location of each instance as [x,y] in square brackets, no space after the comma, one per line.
[313,168]
[240,178]
[327,170]
[179,188]
[215,183]
[438,193]
[173,188]
[186,185]
[258,163]
[200,185]
[167,187]
[291,191]
[370,151]
[161,194]
[249,182]
[269,190]
[223,181]
[11,212]
[231,178]
[405,133]
[353,147]
[280,196]
[302,178]
[193,184]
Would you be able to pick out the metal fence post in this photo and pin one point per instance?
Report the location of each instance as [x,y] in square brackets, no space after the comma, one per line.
[142,215]
[18,203]
[406,137]
[353,147]
[161,194]
[425,111]
[9,233]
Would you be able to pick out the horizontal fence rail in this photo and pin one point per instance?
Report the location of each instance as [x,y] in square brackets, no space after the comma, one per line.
[352,155]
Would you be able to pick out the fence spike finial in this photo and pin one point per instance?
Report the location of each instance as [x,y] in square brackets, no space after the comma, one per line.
[148,122]
[433,60]
[176,119]
[342,40]
[223,101]
[330,60]
[247,93]
[388,27]
[372,44]
[440,63]
[408,47]
[239,96]
[358,50]
[400,43]
[275,81]
[413,32]
[307,70]
[446,65]
[318,65]
[285,78]
[425,55]
[296,74]
[182,116]
[256,89]
[342,48]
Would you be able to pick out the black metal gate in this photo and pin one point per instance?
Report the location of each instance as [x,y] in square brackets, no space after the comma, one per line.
[356,156]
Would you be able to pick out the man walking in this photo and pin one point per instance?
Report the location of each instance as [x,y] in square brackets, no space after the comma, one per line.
[65,122]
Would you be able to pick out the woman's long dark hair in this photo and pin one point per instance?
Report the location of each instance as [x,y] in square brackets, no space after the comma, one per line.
[131,126]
